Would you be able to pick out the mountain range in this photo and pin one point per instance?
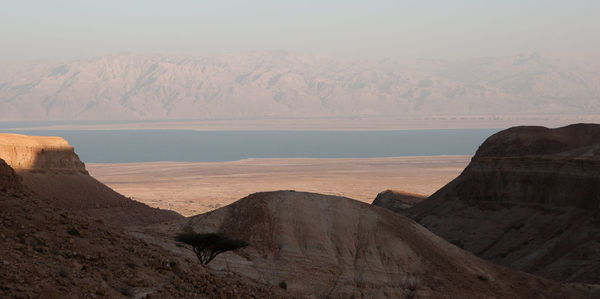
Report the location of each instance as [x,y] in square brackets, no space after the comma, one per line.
[284,84]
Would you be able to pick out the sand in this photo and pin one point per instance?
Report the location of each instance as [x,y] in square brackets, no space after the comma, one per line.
[194,188]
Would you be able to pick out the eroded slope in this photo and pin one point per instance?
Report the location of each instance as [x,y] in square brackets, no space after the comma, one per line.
[50,168]
[333,246]
[46,251]
[530,200]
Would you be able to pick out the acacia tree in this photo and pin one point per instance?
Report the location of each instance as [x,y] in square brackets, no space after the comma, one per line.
[208,246]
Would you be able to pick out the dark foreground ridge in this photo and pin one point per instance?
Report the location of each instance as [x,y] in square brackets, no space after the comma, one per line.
[47,251]
[529,200]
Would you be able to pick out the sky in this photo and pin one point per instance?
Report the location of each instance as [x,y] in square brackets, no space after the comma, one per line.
[458,29]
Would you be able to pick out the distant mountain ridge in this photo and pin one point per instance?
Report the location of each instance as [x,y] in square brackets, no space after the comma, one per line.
[284,84]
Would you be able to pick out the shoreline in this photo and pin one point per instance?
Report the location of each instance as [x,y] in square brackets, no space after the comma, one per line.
[277,159]
[353,123]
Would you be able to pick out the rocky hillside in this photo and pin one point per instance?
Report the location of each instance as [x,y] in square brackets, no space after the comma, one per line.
[283,84]
[10,182]
[328,246]
[50,168]
[396,200]
[530,200]
[46,252]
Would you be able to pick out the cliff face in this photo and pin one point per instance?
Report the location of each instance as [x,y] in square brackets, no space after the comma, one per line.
[50,168]
[536,165]
[39,153]
[329,246]
[555,181]
[529,199]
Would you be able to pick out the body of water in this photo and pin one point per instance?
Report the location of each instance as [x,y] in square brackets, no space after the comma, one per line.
[121,146]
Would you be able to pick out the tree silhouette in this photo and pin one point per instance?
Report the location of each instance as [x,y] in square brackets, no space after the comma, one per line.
[208,246]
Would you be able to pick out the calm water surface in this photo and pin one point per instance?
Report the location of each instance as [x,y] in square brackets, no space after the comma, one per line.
[197,146]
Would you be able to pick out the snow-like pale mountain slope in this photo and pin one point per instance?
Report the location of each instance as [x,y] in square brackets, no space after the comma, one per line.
[283,84]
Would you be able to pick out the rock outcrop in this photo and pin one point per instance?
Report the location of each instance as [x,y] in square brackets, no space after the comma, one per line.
[329,246]
[39,153]
[50,168]
[530,200]
[396,201]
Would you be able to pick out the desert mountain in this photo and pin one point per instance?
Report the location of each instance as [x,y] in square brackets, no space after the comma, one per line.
[284,84]
[50,168]
[329,246]
[529,200]
[47,252]
[396,200]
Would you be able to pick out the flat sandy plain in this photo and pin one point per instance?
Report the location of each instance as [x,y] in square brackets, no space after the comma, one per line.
[199,187]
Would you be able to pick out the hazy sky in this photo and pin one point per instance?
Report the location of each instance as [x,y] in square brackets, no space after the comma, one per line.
[353,29]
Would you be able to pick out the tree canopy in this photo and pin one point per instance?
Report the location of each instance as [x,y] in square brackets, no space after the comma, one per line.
[207,246]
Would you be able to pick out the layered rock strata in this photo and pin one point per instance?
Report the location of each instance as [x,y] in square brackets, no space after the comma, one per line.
[529,199]
[50,168]
[39,153]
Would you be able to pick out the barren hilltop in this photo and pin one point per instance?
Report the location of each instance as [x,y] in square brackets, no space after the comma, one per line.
[330,246]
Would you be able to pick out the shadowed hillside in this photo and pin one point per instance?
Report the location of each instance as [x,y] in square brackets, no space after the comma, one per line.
[530,200]
[51,169]
[47,252]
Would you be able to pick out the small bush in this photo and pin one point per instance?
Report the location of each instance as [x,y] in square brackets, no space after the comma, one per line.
[283,285]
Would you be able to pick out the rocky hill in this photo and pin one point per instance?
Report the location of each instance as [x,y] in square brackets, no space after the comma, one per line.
[10,182]
[530,200]
[328,246]
[47,252]
[284,84]
[396,200]
[50,168]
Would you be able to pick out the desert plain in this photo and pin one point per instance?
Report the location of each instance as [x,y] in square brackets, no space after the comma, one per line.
[192,188]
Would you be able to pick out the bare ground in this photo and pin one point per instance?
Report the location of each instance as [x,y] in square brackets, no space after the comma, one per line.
[193,188]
